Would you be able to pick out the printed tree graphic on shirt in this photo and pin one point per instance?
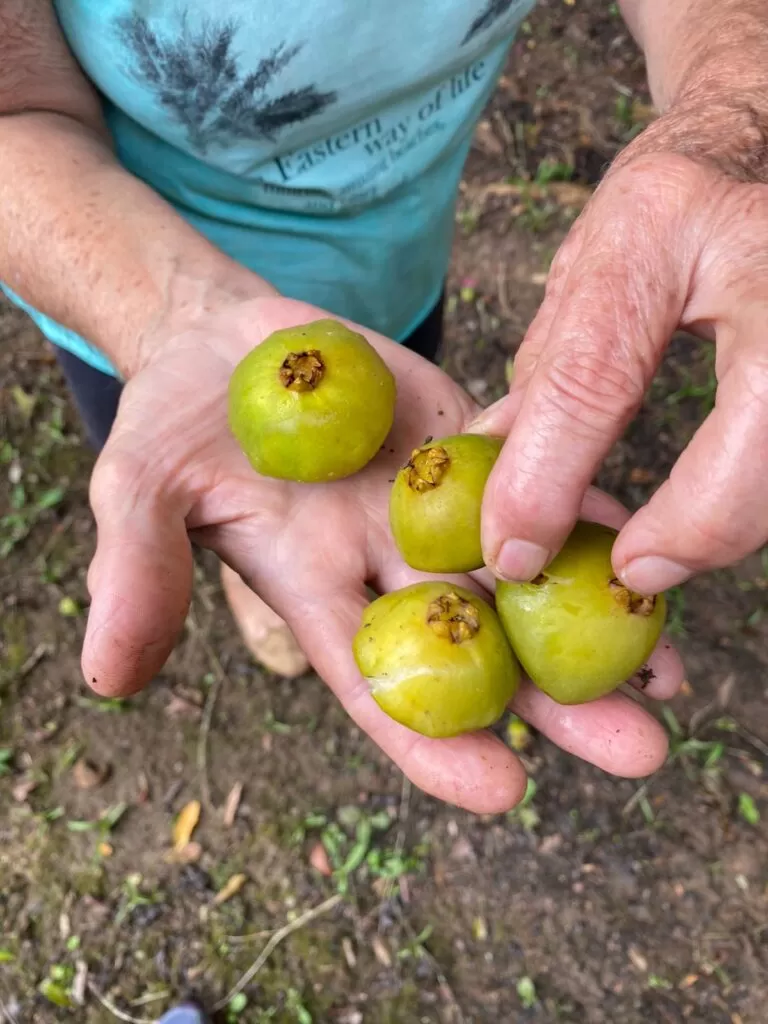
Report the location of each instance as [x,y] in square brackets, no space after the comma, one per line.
[198,80]
[494,9]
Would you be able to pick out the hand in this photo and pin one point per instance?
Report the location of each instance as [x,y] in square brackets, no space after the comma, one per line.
[675,236]
[171,471]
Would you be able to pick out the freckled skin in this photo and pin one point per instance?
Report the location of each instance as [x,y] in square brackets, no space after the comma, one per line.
[436,500]
[311,403]
[577,632]
[436,659]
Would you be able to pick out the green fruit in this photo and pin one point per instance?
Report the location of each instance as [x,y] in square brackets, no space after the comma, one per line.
[434,507]
[578,632]
[436,659]
[311,403]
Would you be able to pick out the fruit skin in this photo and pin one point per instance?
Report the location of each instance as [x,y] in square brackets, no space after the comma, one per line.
[577,631]
[453,675]
[321,416]
[435,502]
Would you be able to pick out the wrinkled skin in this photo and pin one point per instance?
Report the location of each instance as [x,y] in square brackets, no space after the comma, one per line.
[577,630]
[673,237]
[171,466]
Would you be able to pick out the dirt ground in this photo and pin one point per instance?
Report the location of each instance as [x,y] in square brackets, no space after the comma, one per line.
[600,900]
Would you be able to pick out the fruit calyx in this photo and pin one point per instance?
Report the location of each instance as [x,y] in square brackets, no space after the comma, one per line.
[302,371]
[427,467]
[453,618]
[635,604]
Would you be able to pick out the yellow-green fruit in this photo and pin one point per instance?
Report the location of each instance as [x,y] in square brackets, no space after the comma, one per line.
[578,632]
[436,659]
[434,506]
[311,403]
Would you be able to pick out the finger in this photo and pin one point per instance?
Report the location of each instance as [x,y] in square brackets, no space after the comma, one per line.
[662,675]
[476,772]
[711,511]
[140,579]
[613,733]
[601,351]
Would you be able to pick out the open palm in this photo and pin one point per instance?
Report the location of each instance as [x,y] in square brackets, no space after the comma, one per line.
[171,472]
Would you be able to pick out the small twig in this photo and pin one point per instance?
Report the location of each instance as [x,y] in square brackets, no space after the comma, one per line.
[7,1015]
[220,677]
[566,193]
[402,818]
[283,933]
[501,286]
[40,652]
[116,1011]
[750,737]
[635,799]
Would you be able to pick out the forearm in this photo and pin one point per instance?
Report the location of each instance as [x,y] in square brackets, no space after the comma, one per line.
[96,249]
[693,48]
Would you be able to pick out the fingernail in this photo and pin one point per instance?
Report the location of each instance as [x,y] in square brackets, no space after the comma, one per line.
[478,424]
[652,574]
[520,560]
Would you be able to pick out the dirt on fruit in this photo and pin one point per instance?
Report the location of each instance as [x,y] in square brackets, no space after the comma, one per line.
[599,900]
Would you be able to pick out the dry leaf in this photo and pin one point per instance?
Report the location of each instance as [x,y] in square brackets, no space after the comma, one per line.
[349,952]
[22,789]
[380,951]
[143,790]
[232,804]
[189,854]
[87,775]
[688,980]
[638,960]
[79,983]
[180,707]
[318,859]
[106,849]
[234,885]
[185,825]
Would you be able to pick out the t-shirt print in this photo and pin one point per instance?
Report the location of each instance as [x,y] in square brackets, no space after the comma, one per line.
[214,92]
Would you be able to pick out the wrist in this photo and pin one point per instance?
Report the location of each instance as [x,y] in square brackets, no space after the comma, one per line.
[189,296]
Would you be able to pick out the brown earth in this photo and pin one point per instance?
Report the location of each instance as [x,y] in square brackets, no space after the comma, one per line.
[601,900]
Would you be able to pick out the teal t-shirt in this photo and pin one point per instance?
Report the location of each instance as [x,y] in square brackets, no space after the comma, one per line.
[318,142]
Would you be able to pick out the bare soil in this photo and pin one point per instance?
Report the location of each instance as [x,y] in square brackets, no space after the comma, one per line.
[602,900]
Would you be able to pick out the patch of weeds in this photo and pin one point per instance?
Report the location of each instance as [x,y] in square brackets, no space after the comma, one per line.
[56,988]
[656,981]
[628,126]
[694,753]
[468,220]
[236,1007]
[525,812]
[550,170]
[676,612]
[537,217]
[26,510]
[295,1006]
[6,760]
[415,948]
[748,809]
[103,826]
[132,898]
[526,992]
[355,851]
[104,704]
[271,724]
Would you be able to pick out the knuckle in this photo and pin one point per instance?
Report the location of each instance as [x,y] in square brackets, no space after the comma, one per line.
[594,390]
[115,476]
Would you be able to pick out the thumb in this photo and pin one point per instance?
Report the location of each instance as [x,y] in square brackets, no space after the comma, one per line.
[140,579]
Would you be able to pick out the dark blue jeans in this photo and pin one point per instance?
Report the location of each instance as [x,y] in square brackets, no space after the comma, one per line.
[96,394]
